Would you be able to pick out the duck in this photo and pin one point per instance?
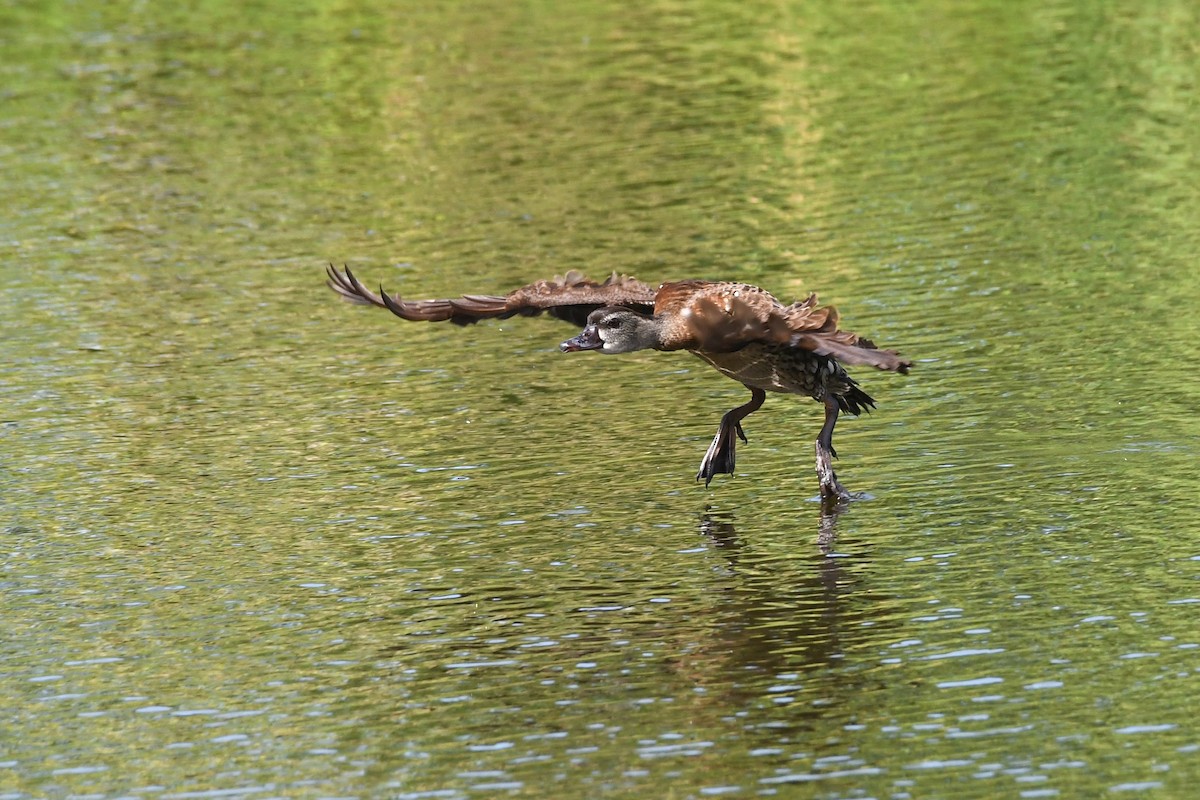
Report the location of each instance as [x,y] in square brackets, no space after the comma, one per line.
[741,330]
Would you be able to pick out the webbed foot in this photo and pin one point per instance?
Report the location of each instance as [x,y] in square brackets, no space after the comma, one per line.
[721,454]
[831,487]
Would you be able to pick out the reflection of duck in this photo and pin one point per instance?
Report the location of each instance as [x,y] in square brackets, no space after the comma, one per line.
[741,330]
[718,526]
[783,610]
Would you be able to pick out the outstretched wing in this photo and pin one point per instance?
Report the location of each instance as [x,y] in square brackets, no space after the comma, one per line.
[721,317]
[570,297]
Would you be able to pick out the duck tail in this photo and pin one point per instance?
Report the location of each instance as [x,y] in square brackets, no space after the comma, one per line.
[854,400]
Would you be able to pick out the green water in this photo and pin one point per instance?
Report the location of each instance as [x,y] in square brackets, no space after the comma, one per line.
[261,543]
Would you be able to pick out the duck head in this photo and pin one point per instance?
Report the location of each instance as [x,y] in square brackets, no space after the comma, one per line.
[615,330]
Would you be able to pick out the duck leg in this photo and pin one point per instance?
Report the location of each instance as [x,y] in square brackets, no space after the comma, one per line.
[720,455]
[830,486]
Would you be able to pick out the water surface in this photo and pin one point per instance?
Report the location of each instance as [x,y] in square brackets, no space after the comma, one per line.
[262,543]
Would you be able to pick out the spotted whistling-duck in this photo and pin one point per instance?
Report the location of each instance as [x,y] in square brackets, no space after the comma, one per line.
[741,330]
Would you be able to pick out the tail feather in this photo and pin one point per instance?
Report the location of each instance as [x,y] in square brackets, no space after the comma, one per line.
[854,400]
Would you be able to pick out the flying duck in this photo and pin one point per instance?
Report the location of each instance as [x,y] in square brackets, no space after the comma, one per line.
[740,329]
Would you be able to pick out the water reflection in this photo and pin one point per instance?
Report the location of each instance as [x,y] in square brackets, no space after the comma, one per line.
[734,635]
[787,616]
[718,524]
[791,618]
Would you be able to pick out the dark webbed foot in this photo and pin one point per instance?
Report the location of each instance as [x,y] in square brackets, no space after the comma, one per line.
[721,454]
[720,457]
[831,487]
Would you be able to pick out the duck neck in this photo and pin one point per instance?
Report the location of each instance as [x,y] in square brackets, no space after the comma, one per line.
[647,333]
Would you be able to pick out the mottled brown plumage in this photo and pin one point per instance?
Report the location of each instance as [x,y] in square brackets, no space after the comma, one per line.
[740,329]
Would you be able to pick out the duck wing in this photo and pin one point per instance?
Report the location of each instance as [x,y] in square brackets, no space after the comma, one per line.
[815,328]
[721,317]
[717,316]
[569,297]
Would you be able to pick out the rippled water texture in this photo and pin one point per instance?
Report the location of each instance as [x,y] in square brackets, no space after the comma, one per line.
[261,543]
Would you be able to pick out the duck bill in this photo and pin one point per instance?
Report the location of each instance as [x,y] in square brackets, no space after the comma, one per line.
[589,339]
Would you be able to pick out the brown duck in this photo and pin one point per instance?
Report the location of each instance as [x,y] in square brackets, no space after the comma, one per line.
[741,330]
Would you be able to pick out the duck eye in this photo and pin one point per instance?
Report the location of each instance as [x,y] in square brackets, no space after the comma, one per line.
[614,323]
